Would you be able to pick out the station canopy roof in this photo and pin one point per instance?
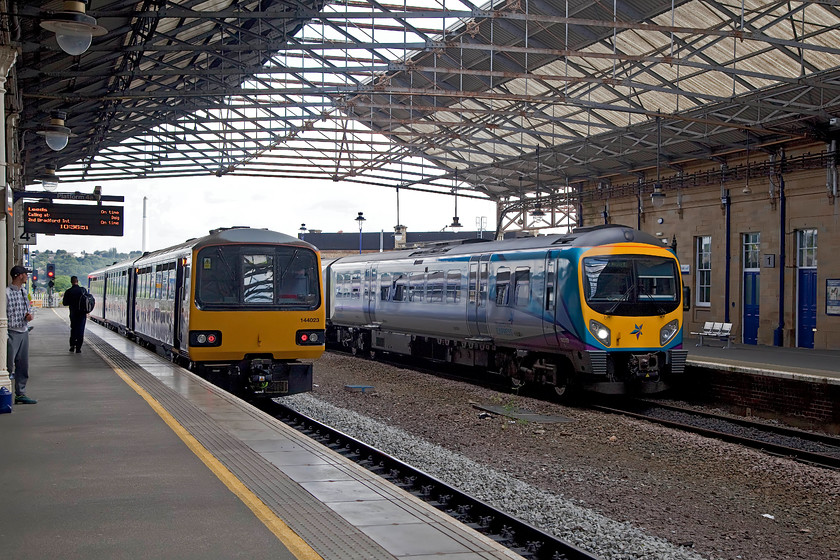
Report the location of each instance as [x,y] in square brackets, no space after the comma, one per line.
[501,99]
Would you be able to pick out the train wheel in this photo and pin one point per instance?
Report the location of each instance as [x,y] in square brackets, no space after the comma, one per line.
[561,390]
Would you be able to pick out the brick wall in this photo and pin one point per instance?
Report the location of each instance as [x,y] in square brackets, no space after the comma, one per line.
[797,403]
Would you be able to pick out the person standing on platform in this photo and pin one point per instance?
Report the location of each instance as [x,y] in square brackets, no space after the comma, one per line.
[78,317]
[18,313]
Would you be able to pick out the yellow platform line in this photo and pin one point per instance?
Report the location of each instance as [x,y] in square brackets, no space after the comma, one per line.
[296,545]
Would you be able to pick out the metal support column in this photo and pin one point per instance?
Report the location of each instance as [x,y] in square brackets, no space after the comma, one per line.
[8,55]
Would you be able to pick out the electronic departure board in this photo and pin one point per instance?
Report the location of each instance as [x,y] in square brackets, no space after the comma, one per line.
[74,219]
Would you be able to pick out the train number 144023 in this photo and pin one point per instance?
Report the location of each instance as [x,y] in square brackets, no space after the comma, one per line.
[310,320]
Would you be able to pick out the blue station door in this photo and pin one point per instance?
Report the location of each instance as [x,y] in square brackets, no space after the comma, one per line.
[752,285]
[806,312]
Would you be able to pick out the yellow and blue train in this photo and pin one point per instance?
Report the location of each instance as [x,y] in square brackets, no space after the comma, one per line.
[242,307]
[599,309]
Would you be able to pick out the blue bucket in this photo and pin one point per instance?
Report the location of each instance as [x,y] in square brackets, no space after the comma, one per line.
[5,400]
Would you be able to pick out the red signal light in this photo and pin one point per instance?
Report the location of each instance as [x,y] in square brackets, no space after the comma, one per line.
[304,337]
[211,338]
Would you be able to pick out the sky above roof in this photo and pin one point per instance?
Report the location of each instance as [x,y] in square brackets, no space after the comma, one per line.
[178,209]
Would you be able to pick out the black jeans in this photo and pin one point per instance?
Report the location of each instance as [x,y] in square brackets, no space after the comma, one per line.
[77,330]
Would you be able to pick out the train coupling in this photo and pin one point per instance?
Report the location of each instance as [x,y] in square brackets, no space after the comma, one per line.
[261,372]
[644,366]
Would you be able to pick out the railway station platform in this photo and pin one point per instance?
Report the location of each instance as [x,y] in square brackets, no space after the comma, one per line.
[816,366]
[127,456]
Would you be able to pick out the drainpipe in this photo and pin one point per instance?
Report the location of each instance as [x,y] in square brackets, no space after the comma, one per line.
[831,170]
[8,55]
[640,215]
[779,333]
[725,204]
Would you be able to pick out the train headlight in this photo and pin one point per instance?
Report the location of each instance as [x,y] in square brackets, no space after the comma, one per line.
[205,338]
[668,332]
[310,338]
[600,332]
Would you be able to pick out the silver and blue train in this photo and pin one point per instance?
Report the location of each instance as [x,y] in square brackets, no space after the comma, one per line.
[600,309]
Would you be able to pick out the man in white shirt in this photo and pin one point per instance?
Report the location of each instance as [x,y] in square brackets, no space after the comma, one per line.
[19,313]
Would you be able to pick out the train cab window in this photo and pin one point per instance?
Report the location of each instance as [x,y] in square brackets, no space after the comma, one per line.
[261,277]
[502,285]
[522,286]
[631,284]
[434,287]
[453,286]
[258,278]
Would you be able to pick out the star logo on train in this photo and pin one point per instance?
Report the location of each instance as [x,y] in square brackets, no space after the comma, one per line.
[638,330]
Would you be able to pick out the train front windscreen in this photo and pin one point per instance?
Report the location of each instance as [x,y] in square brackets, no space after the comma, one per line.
[257,277]
[630,285]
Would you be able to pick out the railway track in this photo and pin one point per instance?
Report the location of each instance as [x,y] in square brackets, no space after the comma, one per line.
[516,535]
[809,447]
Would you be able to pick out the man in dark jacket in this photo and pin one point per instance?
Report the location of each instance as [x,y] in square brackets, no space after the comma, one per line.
[78,317]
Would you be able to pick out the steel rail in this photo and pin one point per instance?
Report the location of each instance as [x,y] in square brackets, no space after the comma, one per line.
[832,461]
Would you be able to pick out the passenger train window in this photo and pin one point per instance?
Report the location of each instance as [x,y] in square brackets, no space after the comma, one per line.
[472,280]
[502,285]
[482,284]
[453,286]
[400,288]
[356,284]
[384,286]
[550,279]
[416,286]
[522,286]
[158,283]
[172,284]
[434,287]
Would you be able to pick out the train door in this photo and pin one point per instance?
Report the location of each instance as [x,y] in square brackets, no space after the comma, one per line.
[752,244]
[178,324]
[550,301]
[478,292]
[369,294]
[131,287]
[184,299]
[806,293]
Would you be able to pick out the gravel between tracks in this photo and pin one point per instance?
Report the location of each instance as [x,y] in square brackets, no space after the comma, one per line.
[622,488]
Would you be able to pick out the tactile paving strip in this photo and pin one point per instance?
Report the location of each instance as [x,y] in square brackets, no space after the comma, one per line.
[326,532]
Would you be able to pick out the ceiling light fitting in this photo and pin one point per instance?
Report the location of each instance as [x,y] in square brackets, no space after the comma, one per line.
[74,30]
[456,223]
[49,180]
[55,133]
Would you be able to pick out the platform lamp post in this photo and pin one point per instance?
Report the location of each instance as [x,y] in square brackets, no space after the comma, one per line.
[302,231]
[361,219]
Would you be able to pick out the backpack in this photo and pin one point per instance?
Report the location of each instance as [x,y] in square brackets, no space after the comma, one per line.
[86,303]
